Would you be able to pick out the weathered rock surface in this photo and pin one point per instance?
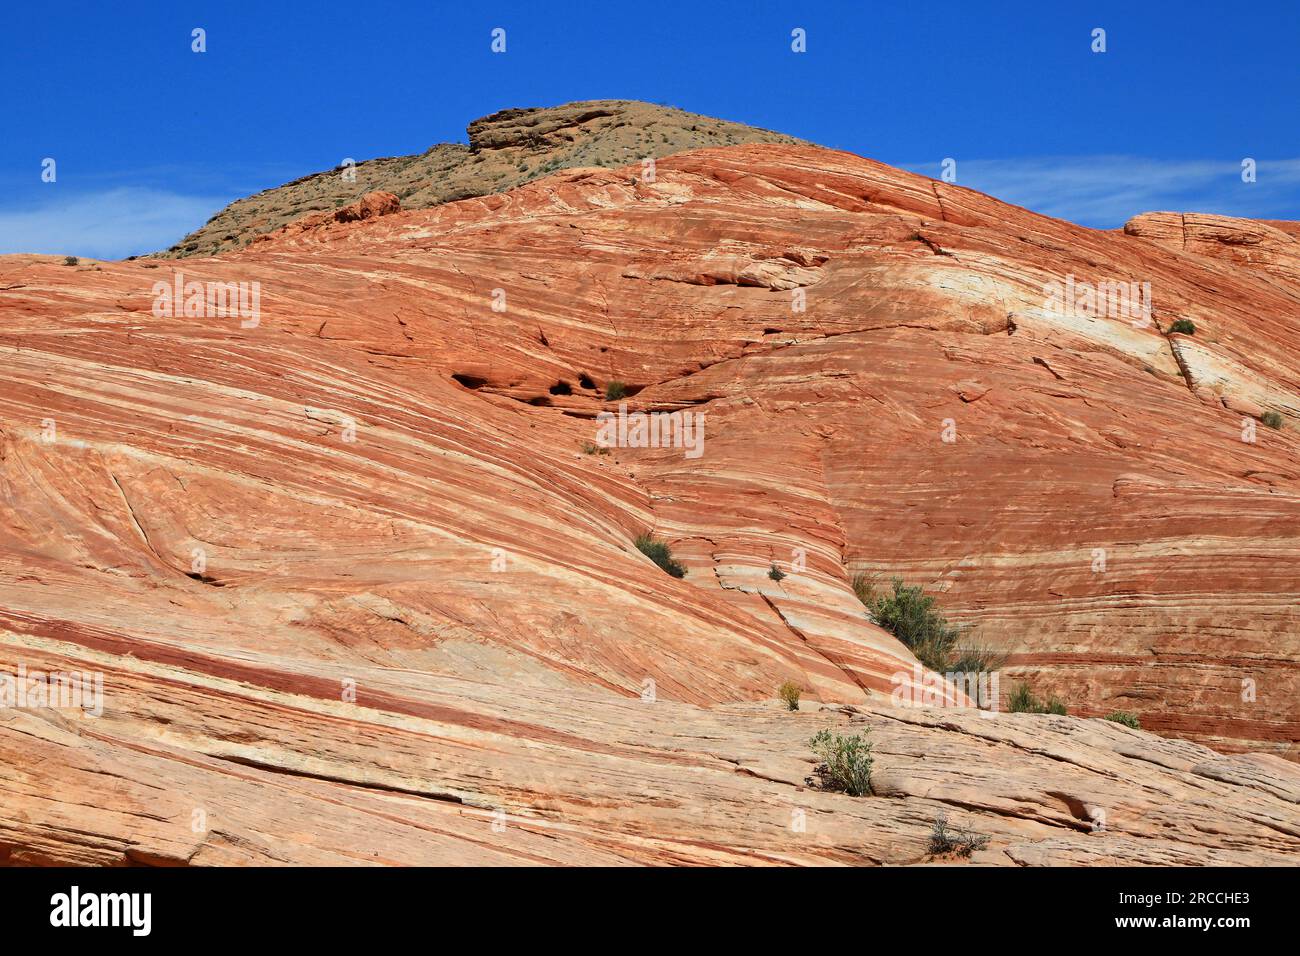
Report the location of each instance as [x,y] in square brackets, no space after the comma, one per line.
[369,206]
[430,768]
[505,150]
[385,482]
[1249,243]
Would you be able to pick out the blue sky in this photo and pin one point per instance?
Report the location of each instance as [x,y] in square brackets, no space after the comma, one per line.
[151,139]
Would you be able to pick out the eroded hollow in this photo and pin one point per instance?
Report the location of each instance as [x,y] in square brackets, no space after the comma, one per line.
[205,579]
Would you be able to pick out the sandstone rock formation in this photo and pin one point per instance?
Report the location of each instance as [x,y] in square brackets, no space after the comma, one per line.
[360,593]
[369,206]
[505,150]
[1272,247]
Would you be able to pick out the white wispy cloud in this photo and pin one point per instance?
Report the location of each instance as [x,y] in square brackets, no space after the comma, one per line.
[108,224]
[1105,191]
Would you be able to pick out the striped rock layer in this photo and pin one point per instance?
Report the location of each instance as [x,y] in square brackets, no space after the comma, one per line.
[362,586]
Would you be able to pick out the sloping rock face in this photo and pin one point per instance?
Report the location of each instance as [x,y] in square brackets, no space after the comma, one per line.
[369,206]
[1256,245]
[362,588]
[505,150]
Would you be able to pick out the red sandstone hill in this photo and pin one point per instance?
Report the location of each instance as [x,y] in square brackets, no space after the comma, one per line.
[421,631]
[504,150]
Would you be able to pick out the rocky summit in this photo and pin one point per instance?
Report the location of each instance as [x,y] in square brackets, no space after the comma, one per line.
[504,150]
[346,518]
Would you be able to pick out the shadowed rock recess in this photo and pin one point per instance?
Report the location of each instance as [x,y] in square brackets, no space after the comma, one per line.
[362,591]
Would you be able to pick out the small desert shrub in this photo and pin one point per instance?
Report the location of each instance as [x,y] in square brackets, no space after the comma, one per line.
[1183,327]
[956,840]
[790,692]
[909,614]
[775,573]
[1271,419]
[588,448]
[70,260]
[865,589]
[660,554]
[614,391]
[1023,701]
[846,762]
[1125,718]
[975,659]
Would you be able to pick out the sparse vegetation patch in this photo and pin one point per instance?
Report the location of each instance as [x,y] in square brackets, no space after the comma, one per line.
[1023,701]
[659,552]
[956,840]
[790,693]
[846,762]
[909,614]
